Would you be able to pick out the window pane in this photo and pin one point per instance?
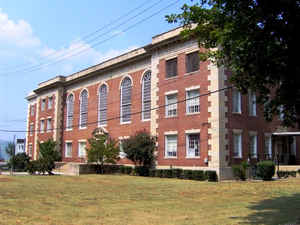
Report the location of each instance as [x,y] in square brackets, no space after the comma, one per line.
[126,100]
[81,149]
[171,68]
[193,103]
[83,109]
[192,62]
[70,109]
[237,145]
[236,101]
[193,145]
[146,86]
[102,105]
[171,146]
[171,105]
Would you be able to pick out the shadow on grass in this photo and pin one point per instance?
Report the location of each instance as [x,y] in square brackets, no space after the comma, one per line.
[280,210]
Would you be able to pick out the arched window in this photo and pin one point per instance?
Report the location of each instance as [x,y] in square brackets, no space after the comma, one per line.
[70,111]
[83,109]
[102,105]
[126,100]
[146,96]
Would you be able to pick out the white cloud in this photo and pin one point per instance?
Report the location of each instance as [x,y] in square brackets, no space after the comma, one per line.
[17,33]
[80,52]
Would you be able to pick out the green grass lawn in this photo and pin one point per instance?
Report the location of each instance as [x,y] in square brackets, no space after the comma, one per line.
[121,199]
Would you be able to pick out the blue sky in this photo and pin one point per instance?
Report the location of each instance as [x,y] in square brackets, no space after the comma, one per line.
[34,35]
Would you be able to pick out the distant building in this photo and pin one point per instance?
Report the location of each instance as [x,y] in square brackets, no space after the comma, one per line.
[3,155]
[20,146]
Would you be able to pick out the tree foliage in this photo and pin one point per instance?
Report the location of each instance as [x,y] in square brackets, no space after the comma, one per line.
[19,161]
[140,149]
[102,150]
[257,40]
[48,155]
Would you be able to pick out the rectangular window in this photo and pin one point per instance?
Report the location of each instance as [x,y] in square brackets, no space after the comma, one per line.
[171,68]
[193,145]
[32,110]
[171,105]
[268,146]
[192,62]
[253,145]
[252,103]
[49,125]
[236,101]
[122,154]
[68,150]
[31,129]
[171,146]
[30,150]
[192,102]
[43,104]
[50,102]
[237,145]
[42,127]
[81,149]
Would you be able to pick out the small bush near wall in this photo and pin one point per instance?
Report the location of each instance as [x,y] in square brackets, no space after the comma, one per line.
[188,174]
[211,175]
[177,173]
[299,171]
[286,174]
[266,170]
[240,171]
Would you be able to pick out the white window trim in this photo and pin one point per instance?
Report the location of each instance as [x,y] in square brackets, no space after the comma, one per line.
[68,128]
[166,144]
[142,83]
[48,103]
[251,134]
[192,88]
[81,156]
[170,133]
[238,132]
[42,130]
[99,96]
[187,99]
[68,142]
[49,130]
[121,105]
[80,117]
[240,102]
[168,104]
[250,102]
[31,131]
[269,135]
[187,146]
[171,92]
[192,131]
[30,153]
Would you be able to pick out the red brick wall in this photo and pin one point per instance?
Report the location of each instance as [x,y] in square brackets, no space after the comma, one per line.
[114,128]
[183,122]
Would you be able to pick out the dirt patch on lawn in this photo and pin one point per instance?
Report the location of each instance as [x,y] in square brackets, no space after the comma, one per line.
[5,179]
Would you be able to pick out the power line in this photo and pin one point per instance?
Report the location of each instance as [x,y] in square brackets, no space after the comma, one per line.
[119,117]
[87,36]
[41,65]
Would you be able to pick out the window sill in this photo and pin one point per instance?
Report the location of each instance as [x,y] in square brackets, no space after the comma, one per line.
[190,114]
[171,78]
[124,123]
[167,117]
[237,157]
[82,128]
[237,113]
[192,157]
[191,73]
[104,125]
[253,115]
[69,129]
[147,120]
[170,157]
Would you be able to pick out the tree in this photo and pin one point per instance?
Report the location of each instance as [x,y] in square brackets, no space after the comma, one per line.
[19,161]
[140,149]
[10,150]
[48,156]
[257,40]
[102,150]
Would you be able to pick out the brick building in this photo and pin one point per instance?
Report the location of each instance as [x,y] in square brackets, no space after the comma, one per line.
[161,88]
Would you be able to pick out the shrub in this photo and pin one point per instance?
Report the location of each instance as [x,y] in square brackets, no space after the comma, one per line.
[188,174]
[141,171]
[159,173]
[167,173]
[240,171]
[152,172]
[128,169]
[211,175]
[19,161]
[111,169]
[299,171]
[199,175]
[293,173]
[32,167]
[177,173]
[266,170]
[282,174]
